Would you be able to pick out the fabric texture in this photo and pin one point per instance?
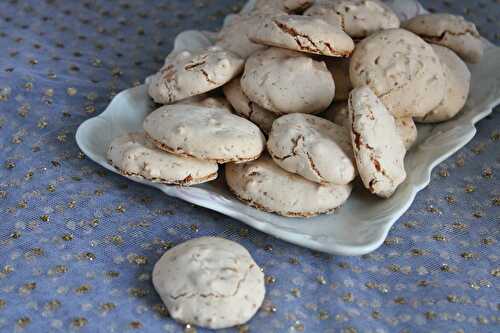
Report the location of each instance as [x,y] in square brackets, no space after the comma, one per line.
[78,243]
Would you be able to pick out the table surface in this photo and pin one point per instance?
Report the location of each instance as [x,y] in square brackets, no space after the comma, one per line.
[78,243]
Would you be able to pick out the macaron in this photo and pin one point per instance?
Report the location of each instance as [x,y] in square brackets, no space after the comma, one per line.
[451,31]
[378,148]
[192,73]
[134,156]
[264,185]
[402,70]
[313,148]
[205,133]
[209,282]
[248,109]
[285,81]
[358,18]
[303,34]
[458,77]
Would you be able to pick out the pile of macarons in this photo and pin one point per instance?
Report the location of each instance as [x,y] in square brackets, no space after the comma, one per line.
[299,98]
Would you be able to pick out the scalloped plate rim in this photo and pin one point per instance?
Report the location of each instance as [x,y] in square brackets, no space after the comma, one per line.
[332,248]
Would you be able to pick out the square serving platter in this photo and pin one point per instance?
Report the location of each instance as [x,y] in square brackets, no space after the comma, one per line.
[358,227]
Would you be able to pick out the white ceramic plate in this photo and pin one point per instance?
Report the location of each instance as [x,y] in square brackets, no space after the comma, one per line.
[358,227]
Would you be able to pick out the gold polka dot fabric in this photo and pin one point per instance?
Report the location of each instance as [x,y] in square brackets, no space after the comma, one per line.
[78,243]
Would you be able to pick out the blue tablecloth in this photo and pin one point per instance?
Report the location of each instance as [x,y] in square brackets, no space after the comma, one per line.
[77,243]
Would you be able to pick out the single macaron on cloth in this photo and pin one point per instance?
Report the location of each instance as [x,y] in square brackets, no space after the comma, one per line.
[292,102]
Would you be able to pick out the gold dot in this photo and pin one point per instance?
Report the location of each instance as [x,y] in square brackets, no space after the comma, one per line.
[323,315]
[15,235]
[321,279]
[439,238]
[139,260]
[61,137]
[161,309]
[430,315]
[298,326]
[117,240]
[52,305]
[138,292]
[443,172]
[23,322]
[112,274]
[67,237]
[49,92]
[348,297]
[10,164]
[120,209]
[189,329]
[296,292]
[243,232]
[106,307]
[83,289]
[244,329]
[60,269]
[51,188]
[488,173]
[71,91]
[94,222]
[400,300]
[79,322]
[90,109]
[269,279]
[135,325]
[89,256]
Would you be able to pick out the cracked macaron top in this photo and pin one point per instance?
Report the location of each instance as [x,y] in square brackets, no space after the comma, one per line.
[246,108]
[205,133]
[193,73]
[304,34]
[264,185]
[209,282]
[312,147]
[401,69]
[133,155]
[451,31]
[378,148]
[285,81]
[358,18]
